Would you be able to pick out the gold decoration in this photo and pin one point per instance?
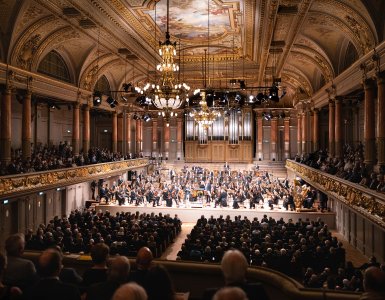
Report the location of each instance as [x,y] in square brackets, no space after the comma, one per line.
[25,183]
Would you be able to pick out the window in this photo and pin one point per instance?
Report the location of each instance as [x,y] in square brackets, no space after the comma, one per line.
[103,86]
[54,66]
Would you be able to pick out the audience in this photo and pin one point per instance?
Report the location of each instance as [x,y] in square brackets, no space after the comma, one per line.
[7,292]
[130,291]
[125,233]
[20,272]
[118,274]
[49,286]
[44,158]
[160,285]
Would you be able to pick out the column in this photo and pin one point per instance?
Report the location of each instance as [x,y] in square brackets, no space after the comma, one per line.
[299,134]
[273,138]
[356,129]
[369,123]
[315,131]
[166,130]
[306,141]
[179,139]
[286,128]
[155,150]
[75,128]
[137,138]
[331,128]
[86,128]
[26,126]
[381,120]
[6,122]
[128,134]
[120,133]
[338,128]
[114,132]
[260,136]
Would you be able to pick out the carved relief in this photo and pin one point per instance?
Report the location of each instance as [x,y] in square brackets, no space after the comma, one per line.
[27,52]
[31,13]
[28,182]
[361,33]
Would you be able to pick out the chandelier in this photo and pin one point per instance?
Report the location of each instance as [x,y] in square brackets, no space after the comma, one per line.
[205,116]
[167,94]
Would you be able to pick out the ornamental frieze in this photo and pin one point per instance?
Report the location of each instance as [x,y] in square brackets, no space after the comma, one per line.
[367,202]
[32,182]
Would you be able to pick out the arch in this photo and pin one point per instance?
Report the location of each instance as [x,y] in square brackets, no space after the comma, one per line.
[349,56]
[54,66]
[103,85]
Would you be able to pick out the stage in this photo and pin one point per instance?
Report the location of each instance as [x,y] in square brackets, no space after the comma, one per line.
[190,214]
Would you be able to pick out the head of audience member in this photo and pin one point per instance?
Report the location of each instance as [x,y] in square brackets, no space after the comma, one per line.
[130,291]
[14,245]
[119,269]
[374,280]
[144,258]
[99,254]
[50,263]
[160,284]
[230,293]
[234,266]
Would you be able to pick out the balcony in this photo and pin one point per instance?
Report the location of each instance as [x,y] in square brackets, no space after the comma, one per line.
[23,184]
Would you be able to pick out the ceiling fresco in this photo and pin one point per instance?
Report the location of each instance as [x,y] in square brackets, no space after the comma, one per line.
[300,41]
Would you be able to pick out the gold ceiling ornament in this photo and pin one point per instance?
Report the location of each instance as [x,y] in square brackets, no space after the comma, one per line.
[168,94]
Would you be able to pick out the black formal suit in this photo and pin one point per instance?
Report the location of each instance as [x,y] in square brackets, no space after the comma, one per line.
[53,288]
[254,291]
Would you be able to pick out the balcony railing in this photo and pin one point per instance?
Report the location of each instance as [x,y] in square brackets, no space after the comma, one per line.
[22,184]
[369,203]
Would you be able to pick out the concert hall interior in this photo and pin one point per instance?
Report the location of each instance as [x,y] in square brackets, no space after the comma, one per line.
[212,132]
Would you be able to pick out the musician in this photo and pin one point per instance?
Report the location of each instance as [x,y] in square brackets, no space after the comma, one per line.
[167,197]
[93,187]
[119,196]
[222,199]
[156,197]
[104,193]
[289,202]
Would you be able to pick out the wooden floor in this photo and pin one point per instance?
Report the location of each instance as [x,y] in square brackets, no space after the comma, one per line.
[353,255]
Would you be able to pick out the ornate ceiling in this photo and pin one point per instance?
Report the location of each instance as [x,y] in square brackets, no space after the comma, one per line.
[303,42]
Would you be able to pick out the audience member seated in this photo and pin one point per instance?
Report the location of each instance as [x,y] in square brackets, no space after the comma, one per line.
[160,284]
[98,272]
[118,274]
[230,293]
[374,284]
[144,260]
[130,291]
[7,292]
[49,286]
[20,272]
[234,267]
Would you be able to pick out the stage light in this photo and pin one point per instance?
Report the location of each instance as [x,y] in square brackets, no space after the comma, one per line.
[97,98]
[233,81]
[112,102]
[242,84]
[146,118]
[126,87]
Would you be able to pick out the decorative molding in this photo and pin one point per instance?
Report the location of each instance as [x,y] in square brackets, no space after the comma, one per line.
[23,184]
[363,200]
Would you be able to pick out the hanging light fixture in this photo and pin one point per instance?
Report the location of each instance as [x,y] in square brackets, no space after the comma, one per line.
[167,94]
[205,116]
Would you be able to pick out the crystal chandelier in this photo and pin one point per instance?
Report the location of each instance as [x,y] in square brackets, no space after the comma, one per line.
[167,94]
[206,116]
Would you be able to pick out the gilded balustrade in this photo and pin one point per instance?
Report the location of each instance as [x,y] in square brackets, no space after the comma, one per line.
[368,202]
[31,182]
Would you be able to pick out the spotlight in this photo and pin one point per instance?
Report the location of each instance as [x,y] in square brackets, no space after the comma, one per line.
[97,98]
[126,87]
[242,84]
[146,118]
[124,98]
[273,94]
[251,99]
[112,102]
[266,116]
[233,81]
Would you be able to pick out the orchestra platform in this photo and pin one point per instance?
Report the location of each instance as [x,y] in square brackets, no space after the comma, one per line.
[191,213]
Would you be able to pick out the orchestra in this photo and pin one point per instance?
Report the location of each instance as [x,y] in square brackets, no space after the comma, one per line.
[214,188]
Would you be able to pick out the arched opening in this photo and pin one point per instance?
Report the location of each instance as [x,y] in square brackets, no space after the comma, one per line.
[54,66]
